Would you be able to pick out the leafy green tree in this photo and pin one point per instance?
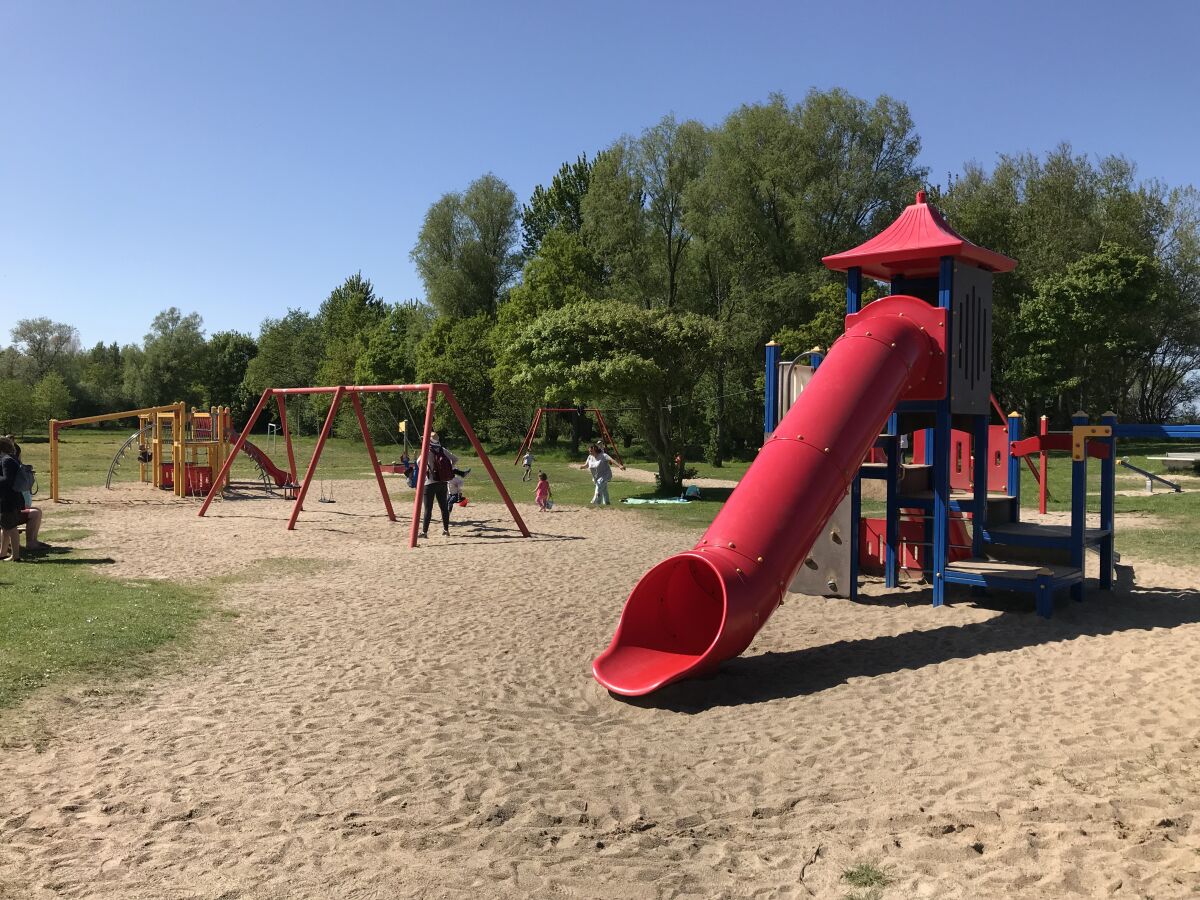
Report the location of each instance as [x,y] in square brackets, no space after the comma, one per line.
[390,356]
[101,381]
[634,212]
[18,415]
[45,344]
[1052,212]
[858,165]
[289,351]
[458,352]
[559,206]
[346,319]
[1086,329]
[173,360]
[620,352]
[465,249]
[51,398]
[229,356]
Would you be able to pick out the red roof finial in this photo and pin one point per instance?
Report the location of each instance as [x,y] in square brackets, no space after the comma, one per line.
[920,196]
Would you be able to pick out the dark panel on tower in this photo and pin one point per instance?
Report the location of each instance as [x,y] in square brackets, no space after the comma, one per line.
[971,340]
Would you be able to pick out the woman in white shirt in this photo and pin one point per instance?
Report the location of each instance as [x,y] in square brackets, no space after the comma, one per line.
[600,464]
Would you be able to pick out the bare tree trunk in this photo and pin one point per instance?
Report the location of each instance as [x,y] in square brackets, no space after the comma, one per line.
[717,451]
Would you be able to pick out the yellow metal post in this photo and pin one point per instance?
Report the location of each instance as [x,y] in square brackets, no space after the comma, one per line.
[179,448]
[54,460]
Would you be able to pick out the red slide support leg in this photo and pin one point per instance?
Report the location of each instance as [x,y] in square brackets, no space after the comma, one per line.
[703,606]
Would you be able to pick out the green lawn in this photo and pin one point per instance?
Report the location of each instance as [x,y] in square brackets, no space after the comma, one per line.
[61,618]
[1177,536]
[85,456]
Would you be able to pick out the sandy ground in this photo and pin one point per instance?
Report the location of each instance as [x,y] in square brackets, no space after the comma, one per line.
[392,723]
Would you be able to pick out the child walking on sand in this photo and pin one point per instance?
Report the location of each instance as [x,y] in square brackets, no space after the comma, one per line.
[541,495]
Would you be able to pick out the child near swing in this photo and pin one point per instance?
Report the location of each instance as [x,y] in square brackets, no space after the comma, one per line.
[541,494]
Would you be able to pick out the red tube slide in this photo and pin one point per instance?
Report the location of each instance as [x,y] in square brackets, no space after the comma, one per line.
[703,606]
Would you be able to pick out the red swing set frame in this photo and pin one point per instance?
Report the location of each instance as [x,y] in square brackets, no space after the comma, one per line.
[355,392]
[609,444]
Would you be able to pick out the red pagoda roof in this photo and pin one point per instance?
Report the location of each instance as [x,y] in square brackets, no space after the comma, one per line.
[913,245]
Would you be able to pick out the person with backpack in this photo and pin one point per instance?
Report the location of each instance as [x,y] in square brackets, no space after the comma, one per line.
[439,472]
[11,501]
[31,516]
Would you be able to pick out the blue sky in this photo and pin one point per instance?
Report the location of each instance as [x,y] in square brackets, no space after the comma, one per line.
[240,158]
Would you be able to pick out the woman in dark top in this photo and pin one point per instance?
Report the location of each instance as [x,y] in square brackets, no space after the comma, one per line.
[11,500]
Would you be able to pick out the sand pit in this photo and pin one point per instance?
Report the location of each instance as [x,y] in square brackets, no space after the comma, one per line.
[395,723]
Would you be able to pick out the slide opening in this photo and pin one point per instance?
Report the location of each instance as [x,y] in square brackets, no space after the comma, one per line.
[672,618]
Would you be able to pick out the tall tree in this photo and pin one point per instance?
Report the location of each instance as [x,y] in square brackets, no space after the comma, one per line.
[45,344]
[390,356]
[289,351]
[229,355]
[465,250]
[619,351]
[346,319]
[51,398]
[459,353]
[634,212]
[173,360]
[559,206]
[101,381]
[1061,210]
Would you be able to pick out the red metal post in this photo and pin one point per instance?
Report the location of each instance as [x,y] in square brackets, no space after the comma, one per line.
[611,444]
[237,448]
[287,436]
[1043,460]
[529,436]
[312,466]
[421,465]
[483,457]
[362,425]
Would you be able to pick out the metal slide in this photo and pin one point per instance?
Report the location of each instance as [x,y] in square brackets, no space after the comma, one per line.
[278,475]
[700,607]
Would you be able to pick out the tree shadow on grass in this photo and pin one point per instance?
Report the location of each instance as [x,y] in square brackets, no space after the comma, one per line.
[795,673]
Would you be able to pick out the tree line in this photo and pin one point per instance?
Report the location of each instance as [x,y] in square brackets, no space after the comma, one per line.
[646,278]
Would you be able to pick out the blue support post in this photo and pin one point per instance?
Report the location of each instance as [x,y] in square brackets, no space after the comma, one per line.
[979,445]
[853,290]
[853,304]
[1014,467]
[891,573]
[1078,508]
[941,448]
[1108,491]
[771,394]
[855,525]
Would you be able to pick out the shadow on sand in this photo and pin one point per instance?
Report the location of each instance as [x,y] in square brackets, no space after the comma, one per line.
[795,673]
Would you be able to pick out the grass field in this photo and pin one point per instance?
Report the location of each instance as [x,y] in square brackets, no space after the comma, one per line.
[85,456]
[61,618]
